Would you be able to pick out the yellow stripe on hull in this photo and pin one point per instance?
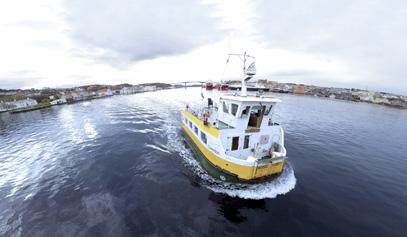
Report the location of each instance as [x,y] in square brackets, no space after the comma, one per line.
[209,129]
[241,171]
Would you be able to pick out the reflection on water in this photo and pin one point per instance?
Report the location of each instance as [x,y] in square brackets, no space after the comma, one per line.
[119,167]
[79,130]
[231,207]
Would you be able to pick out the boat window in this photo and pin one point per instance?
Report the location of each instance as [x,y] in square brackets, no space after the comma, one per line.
[246,141]
[245,112]
[268,110]
[256,116]
[196,130]
[190,124]
[210,102]
[225,107]
[186,120]
[234,109]
[203,137]
[235,143]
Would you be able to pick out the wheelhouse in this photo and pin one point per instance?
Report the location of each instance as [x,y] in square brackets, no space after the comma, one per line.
[243,113]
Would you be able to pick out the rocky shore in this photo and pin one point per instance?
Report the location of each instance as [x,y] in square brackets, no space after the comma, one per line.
[350,94]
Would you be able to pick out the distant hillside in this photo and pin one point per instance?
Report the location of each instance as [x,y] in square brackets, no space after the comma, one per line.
[157,84]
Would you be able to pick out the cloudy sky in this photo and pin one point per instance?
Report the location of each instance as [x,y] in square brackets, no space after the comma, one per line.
[58,43]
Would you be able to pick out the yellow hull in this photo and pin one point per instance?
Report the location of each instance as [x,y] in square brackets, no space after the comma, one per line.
[241,171]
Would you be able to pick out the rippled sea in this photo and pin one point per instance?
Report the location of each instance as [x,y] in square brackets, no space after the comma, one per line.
[119,167]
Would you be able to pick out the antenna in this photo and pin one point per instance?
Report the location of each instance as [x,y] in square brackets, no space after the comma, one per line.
[247,73]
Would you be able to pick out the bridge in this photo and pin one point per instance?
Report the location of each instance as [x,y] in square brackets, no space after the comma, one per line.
[185,83]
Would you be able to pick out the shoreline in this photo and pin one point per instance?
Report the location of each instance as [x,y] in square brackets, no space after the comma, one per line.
[345,100]
[31,108]
[47,105]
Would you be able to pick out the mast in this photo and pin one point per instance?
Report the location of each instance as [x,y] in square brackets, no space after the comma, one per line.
[247,74]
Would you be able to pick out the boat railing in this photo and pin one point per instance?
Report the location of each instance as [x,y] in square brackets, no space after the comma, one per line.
[198,112]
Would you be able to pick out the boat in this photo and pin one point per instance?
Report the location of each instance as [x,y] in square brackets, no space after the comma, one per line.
[209,86]
[221,87]
[236,133]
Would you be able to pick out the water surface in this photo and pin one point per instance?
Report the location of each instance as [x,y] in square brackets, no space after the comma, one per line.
[119,167]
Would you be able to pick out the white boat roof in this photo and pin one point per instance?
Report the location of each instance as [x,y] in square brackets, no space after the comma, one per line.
[251,98]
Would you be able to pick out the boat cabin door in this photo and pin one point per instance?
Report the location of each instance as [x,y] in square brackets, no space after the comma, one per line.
[256,117]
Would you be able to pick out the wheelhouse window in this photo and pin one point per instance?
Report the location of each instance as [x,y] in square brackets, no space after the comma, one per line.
[190,124]
[234,109]
[196,130]
[256,116]
[268,109]
[235,143]
[225,107]
[203,137]
[246,141]
[245,112]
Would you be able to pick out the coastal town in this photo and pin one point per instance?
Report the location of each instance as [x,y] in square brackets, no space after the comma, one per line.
[15,101]
[349,94]
[19,100]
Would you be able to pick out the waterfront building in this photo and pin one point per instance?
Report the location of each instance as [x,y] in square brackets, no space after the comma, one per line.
[299,89]
[68,97]
[130,90]
[137,89]
[126,91]
[18,104]
[59,101]
[366,96]
[104,92]
[75,96]
[287,88]
[3,106]
[150,88]
[262,82]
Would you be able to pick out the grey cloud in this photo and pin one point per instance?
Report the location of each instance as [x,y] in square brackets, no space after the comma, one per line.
[127,31]
[368,35]
[19,79]
[18,82]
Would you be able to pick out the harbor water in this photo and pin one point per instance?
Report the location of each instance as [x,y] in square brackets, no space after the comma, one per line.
[119,166]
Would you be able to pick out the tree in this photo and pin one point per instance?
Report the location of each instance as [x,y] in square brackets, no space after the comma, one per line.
[20,96]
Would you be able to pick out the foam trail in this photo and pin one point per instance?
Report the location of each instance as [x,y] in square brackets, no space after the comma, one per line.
[270,189]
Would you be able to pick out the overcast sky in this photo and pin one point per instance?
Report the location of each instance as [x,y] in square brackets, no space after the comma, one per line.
[56,43]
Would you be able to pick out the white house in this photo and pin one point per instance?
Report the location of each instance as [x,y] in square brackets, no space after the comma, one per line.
[150,88]
[59,101]
[366,96]
[3,106]
[104,92]
[126,91]
[17,104]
